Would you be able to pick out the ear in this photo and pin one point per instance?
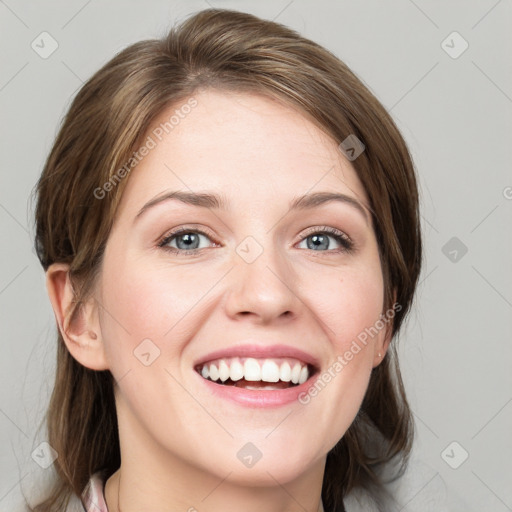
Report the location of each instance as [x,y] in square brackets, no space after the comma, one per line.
[82,334]
[383,340]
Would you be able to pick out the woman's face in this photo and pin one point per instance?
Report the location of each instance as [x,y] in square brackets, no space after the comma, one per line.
[252,281]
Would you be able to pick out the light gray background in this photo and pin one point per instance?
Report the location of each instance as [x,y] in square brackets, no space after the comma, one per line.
[455,114]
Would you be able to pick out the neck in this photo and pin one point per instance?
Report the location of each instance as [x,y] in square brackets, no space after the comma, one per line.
[128,491]
[154,479]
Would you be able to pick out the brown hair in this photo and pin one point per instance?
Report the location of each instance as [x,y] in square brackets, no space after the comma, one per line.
[106,122]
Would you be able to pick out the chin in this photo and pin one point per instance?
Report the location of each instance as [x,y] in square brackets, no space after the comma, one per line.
[279,465]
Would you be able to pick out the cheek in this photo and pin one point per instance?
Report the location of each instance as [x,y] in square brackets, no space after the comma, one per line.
[347,303]
[150,302]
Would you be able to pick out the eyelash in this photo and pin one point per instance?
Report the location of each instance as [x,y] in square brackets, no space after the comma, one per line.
[347,245]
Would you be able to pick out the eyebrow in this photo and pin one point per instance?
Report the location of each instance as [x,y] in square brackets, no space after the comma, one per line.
[213,201]
[309,201]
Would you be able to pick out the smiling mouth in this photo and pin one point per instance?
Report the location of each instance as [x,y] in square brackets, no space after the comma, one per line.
[257,374]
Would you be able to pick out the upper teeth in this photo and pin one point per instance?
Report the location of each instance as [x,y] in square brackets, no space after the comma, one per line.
[267,370]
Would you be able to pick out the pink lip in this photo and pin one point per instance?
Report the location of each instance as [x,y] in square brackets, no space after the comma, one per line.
[260,351]
[252,397]
[259,399]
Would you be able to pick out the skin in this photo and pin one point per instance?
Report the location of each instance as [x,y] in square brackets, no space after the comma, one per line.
[178,441]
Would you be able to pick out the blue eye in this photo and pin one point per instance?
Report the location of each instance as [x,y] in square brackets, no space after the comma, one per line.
[318,240]
[187,241]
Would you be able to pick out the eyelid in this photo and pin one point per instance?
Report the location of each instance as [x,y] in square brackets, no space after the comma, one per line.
[188,228]
[347,244]
[326,229]
[172,233]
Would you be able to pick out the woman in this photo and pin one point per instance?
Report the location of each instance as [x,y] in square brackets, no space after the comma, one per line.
[228,222]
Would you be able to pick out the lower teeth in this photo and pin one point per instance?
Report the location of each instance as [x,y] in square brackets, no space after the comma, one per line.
[263,387]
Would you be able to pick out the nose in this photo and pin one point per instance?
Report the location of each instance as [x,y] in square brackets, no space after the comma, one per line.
[263,290]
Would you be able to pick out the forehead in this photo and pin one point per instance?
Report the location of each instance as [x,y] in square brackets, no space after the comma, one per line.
[254,150]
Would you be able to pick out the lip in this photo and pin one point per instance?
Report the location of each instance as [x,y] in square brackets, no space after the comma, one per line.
[252,397]
[260,352]
[259,399]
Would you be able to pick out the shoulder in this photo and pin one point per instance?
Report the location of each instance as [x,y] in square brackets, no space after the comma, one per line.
[92,498]
[420,488]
